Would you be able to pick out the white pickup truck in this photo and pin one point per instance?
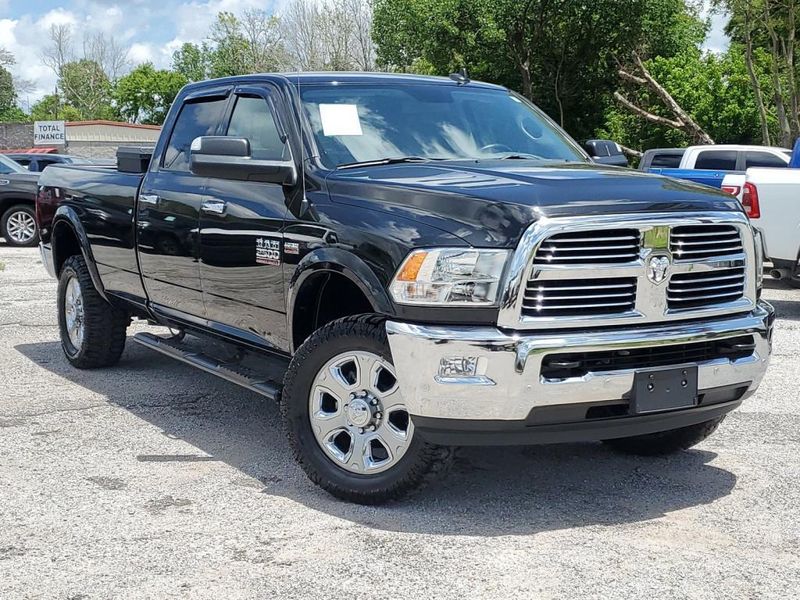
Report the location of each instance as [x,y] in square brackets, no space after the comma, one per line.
[771,198]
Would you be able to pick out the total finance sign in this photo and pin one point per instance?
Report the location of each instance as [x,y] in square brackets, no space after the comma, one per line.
[48,133]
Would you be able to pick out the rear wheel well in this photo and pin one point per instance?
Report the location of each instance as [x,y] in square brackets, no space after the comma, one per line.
[65,244]
[323,298]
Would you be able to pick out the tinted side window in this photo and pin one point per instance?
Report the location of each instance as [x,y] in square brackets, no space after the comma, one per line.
[719,160]
[253,119]
[763,159]
[666,161]
[195,119]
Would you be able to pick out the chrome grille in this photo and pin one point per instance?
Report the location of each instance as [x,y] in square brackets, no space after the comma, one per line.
[698,290]
[605,246]
[699,242]
[604,270]
[579,297]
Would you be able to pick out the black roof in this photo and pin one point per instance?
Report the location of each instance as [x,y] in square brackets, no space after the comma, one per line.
[334,77]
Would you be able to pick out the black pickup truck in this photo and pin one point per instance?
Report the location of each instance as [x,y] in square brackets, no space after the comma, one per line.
[410,264]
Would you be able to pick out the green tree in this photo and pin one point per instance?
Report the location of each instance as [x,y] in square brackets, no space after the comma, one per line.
[714,89]
[191,61]
[250,44]
[85,86]
[9,111]
[145,94]
[8,94]
[52,107]
[562,54]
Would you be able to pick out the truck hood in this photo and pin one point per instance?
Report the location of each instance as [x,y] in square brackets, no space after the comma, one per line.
[491,203]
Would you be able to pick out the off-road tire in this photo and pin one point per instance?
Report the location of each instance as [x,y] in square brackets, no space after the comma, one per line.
[666,442]
[29,210]
[104,325]
[422,462]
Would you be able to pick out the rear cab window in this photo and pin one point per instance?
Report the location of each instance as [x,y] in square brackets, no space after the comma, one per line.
[764,159]
[666,161]
[716,160]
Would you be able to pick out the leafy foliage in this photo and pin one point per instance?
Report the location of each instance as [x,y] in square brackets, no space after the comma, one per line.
[562,54]
[145,94]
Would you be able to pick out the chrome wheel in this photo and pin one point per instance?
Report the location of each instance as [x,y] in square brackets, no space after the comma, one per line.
[357,413]
[21,227]
[73,313]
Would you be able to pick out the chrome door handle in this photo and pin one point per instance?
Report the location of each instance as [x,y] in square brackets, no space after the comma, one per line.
[148,199]
[214,206]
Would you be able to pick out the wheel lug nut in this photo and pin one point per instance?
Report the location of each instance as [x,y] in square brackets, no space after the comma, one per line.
[378,415]
[374,402]
[361,430]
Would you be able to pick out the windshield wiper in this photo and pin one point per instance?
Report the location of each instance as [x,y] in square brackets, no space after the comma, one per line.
[387,161]
[517,156]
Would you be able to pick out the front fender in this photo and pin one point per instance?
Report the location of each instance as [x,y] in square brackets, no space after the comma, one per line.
[341,262]
[67,217]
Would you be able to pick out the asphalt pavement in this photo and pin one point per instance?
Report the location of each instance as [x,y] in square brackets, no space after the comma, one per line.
[154,480]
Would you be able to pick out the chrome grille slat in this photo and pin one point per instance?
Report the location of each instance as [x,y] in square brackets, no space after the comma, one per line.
[562,298]
[622,295]
[699,242]
[583,248]
[576,306]
[692,290]
[708,279]
[613,246]
[704,289]
[584,258]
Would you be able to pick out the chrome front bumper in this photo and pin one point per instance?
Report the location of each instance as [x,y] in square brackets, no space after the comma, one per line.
[507,385]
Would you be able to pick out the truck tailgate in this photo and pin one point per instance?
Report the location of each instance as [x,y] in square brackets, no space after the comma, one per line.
[779,203]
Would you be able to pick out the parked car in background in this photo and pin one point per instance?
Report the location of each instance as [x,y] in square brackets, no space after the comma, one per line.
[662,158]
[710,164]
[409,264]
[38,162]
[17,204]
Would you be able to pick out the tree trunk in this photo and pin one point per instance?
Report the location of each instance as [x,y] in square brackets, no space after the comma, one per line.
[751,71]
[780,104]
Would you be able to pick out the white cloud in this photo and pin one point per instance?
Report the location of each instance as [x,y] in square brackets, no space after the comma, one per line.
[153,29]
[141,53]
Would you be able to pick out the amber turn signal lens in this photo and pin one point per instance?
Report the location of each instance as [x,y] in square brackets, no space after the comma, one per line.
[412,266]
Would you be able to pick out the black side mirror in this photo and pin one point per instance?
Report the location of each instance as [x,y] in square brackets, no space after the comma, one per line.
[606,152]
[230,158]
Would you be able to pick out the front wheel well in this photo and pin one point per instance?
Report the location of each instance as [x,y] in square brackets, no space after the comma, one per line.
[325,297]
[65,244]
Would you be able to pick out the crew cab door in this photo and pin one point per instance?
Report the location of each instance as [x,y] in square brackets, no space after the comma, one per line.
[168,210]
[241,240]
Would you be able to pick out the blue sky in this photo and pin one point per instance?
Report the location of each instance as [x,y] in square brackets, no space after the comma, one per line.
[152,28]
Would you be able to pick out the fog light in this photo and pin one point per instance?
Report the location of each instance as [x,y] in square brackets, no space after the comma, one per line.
[458,366]
[462,370]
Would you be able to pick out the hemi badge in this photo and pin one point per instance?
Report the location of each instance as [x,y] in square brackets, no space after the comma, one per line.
[291,248]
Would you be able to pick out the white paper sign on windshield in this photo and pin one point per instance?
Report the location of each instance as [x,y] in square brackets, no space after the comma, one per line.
[340,119]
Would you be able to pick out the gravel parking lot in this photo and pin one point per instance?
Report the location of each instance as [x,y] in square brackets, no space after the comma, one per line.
[154,480]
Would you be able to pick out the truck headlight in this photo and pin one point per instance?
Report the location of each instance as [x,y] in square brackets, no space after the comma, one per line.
[450,276]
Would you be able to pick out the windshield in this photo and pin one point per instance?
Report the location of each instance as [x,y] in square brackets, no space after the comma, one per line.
[370,122]
[9,166]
